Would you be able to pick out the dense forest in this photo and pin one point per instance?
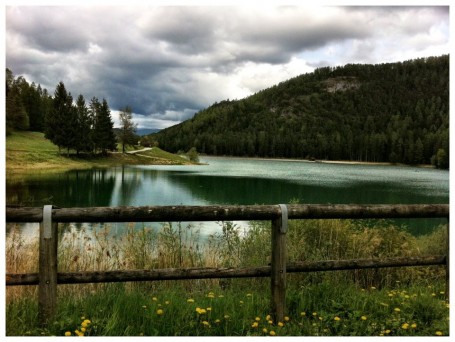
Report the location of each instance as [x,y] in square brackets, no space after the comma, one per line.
[394,112]
[69,124]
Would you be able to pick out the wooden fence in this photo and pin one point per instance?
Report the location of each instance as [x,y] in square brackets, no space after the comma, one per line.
[47,278]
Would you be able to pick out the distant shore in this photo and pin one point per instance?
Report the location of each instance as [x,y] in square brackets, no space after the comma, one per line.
[347,162]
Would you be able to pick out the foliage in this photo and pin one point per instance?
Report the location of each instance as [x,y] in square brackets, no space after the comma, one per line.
[394,112]
[127,135]
[334,305]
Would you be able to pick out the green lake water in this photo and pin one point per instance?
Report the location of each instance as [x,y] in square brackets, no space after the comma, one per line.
[237,181]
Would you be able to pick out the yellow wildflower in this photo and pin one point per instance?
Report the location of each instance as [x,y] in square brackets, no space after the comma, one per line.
[405,326]
[159,312]
[78,333]
[337,318]
[84,324]
[154,299]
[255,325]
[217,321]
[83,330]
[264,330]
[387,331]
[280,324]
[286,318]
[270,321]
[257,319]
[315,313]
[363,318]
[167,302]
[205,323]
[439,333]
[226,316]
[268,317]
[68,333]
[413,325]
[272,333]
[303,313]
[190,300]
[209,309]
[397,310]
[87,321]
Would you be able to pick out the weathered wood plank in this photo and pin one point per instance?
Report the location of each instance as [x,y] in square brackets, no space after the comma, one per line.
[47,286]
[207,272]
[227,213]
[278,271]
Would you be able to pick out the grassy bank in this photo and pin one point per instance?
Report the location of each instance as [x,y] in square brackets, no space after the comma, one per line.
[390,302]
[30,151]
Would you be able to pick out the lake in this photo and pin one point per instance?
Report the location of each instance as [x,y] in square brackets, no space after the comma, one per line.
[237,181]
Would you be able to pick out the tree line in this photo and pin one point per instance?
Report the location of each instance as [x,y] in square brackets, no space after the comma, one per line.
[71,125]
[393,112]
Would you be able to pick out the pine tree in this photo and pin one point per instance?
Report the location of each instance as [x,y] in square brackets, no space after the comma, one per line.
[61,122]
[83,134]
[103,133]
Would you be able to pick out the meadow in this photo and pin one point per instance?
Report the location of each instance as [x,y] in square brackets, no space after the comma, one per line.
[376,302]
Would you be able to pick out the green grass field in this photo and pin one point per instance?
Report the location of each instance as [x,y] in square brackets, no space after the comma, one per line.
[30,151]
[386,302]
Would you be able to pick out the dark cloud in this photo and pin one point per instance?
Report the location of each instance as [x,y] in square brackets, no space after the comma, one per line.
[169,62]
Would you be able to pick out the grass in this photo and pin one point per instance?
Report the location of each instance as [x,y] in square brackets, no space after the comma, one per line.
[30,151]
[387,302]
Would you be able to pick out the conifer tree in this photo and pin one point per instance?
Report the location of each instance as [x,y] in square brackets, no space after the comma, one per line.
[103,134]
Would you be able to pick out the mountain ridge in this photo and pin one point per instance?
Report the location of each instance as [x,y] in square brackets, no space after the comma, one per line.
[391,112]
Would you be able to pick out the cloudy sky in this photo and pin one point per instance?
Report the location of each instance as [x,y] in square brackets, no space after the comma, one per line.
[168,62]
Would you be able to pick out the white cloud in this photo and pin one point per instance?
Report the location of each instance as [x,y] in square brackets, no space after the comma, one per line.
[169,62]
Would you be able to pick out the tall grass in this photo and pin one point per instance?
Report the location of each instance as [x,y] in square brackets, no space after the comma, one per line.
[360,302]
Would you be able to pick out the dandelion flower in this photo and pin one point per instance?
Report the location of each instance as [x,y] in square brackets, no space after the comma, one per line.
[159,312]
[265,330]
[68,333]
[272,333]
[144,306]
[226,316]
[387,331]
[217,321]
[280,324]
[249,295]
[241,302]
[83,330]
[315,313]
[255,325]
[87,321]
[373,288]
[303,313]
[286,318]
[413,325]
[363,318]
[439,333]
[154,299]
[270,321]
[337,318]
[268,317]
[205,323]
[209,309]
[84,324]
[167,302]
[397,310]
[257,319]
[405,326]
[190,300]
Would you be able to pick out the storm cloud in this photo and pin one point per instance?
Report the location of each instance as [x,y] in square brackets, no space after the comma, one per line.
[168,62]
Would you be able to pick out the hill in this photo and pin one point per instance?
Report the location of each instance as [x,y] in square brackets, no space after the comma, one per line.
[30,151]
[394,112]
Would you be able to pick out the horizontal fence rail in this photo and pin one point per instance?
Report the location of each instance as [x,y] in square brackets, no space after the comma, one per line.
[48,278]
[226,212]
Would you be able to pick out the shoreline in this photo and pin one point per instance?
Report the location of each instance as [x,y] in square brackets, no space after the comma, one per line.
[341,162]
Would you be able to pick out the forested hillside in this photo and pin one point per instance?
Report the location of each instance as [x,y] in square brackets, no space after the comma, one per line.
[395,112]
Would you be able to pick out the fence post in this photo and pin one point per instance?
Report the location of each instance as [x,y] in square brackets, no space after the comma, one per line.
[447,260]
[47,286]
[278,264]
